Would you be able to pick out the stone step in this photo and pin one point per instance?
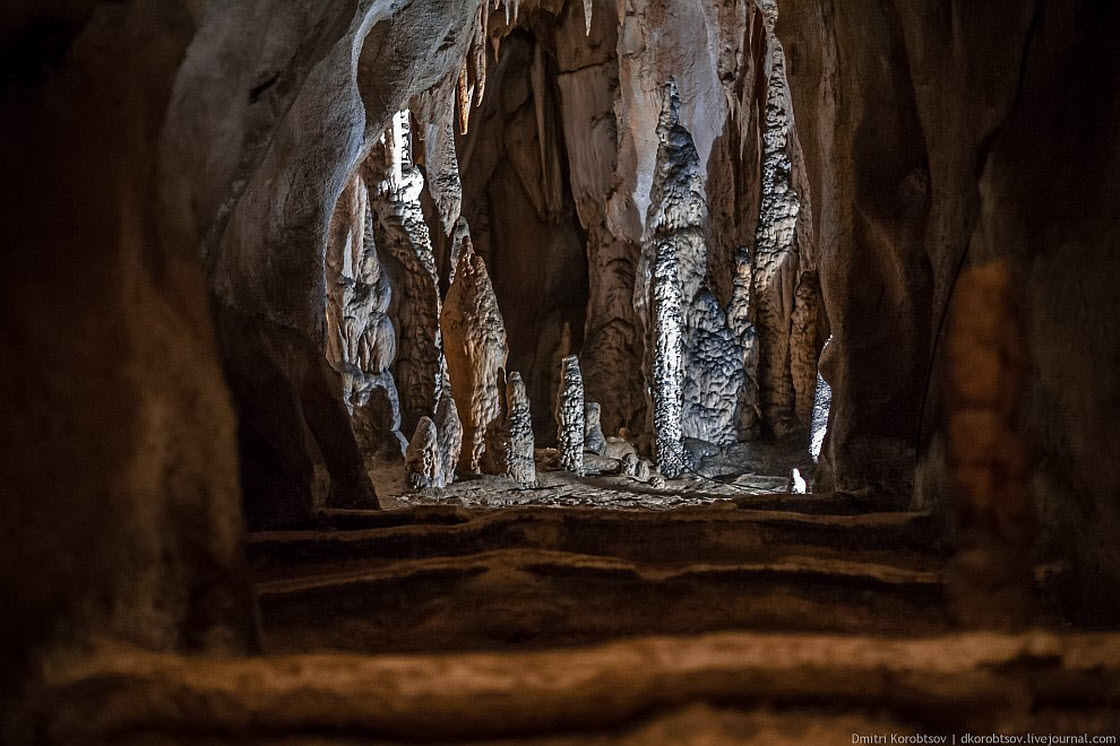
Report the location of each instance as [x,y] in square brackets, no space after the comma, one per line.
[538,597]
[682,536]
[720,689]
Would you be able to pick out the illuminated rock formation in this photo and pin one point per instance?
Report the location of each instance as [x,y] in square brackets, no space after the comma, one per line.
[475,346]
[520,463]
[569,415]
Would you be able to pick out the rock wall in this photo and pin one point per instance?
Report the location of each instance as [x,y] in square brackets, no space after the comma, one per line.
[297,116]
[118,457]
[950,135]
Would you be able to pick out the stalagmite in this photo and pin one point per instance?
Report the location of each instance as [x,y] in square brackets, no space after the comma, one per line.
[667,303]
[569,415]
[593,440]
[476,350]
[450,436]
[423,460]
[520,464]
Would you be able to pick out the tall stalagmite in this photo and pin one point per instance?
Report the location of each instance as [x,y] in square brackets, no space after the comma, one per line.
[520,464]
[569,415]
[475,345]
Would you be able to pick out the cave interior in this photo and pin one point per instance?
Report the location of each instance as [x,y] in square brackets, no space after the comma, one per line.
[556,372]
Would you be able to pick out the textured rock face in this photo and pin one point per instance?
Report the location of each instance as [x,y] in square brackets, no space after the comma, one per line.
[475,344]
[118,456]
[986,453]
[520,463]
[783,286]
[361,341]
[308,91]
[909,174]
[569,415]
[404,240]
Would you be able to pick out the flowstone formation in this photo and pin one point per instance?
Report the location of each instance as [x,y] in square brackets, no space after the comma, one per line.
[569,415]
[361,341]
[520,463]
[475,346]
[783,284]
[403,237]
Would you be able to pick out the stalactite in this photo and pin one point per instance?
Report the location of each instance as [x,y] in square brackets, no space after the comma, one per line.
[436,112]
[520,464]
[588,6]
[569,415]
[465,95]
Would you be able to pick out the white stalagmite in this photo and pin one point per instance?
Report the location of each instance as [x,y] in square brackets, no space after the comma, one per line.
[569,415]
[670,216]
[450,436]
[593,440]
[520,466]
[668,361]
[423,460]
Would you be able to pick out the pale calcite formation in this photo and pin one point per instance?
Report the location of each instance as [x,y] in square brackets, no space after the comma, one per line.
[403,235]
[783,294]
[569,415]
[520,463]
[361,341]
[476,350]
[450,429]
[593,440]
[423,461]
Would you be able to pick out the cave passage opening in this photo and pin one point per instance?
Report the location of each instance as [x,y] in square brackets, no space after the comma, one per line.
[561,193]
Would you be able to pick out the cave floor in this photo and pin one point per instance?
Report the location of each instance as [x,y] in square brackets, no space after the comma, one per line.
[736,471]
[766,618]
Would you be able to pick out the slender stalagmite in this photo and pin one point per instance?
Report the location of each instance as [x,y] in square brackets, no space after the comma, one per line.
[520,466]
[569,415]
